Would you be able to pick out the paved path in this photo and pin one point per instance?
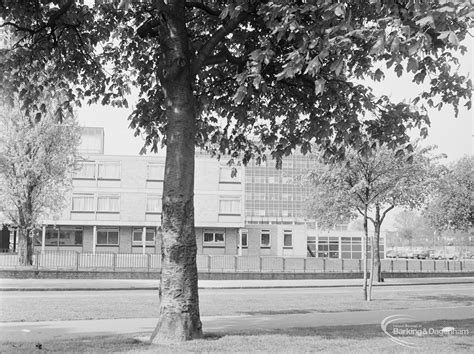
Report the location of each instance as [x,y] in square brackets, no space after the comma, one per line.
[134,284]
[51,330]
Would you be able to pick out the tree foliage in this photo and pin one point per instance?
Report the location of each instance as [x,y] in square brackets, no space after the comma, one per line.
[451,207]
[372,185]
[35,170]
[274,72]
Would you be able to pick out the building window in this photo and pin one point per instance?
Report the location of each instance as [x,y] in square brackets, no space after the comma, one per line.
[149,236]
[225,175]
[244,239]
[85,170]
[265,239]
[229,205]
[64,236]
[108,236]
[109,170]
[153,204]
[83,202]
[214,238]
[156,172]
[287,239]
[328,247]
[311,246]
[108,203]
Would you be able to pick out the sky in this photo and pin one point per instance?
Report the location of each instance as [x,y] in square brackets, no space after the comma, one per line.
[453,136]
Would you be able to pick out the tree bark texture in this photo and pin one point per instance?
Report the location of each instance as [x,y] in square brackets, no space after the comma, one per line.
[364,255]
[179,318]
[25,247]
[376,253]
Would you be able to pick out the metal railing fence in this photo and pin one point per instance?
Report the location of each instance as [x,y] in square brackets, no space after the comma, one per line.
[71,260]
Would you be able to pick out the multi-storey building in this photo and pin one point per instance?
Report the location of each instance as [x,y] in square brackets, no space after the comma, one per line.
[115,206]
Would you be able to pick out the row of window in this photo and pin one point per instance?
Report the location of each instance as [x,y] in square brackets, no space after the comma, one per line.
[109,236]
[328,247]
[155,171]
[90,202]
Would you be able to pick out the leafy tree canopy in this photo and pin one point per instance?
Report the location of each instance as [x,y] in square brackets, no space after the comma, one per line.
[451,207]
[265,74]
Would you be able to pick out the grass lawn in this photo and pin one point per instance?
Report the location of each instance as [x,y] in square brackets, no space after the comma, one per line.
[82,305]
[359,339]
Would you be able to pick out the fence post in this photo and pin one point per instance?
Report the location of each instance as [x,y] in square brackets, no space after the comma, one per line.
[114,261]
[284,264]
[406,266]
[208,263]
[434,265]
[342,265]
[37,261]
[421,266]
[324,265]
[260,266]
[391,266]
[460,265]
[447,265]
[236,260]
[148,262]
[77,261]
[360,265]
[304,265]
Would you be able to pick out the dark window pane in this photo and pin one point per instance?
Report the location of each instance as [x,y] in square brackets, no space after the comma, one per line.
[137,236]
[244,240]
[322,254]
[265,240]
[333,247]
[101,237]
[288,240]
[333,254]
[219,237]
[51,238]
[208,237]
[150,236]
[113,238]
[356,248]
[78,237]
[345,247]
[356,255]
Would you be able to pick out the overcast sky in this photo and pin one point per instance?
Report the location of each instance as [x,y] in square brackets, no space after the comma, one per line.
[453,136]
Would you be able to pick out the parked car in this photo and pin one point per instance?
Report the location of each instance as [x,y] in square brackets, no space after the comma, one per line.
[422,254]
[391,254]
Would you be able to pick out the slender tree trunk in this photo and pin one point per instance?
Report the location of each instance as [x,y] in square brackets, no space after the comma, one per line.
[364,255]
[378,265]
[372,268]
[179,318]
[25,247]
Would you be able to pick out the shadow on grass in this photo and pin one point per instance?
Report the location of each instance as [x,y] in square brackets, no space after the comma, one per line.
[365,331]
[464,300]
[298,312]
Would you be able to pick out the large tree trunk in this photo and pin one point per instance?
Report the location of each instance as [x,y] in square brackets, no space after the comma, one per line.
[179,302]
[25,247]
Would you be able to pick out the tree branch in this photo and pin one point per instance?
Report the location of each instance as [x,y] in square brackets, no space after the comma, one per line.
[222,57]
[205,8]
[215,39]
[385,212]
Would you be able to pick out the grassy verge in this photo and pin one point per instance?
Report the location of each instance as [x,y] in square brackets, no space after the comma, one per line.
[81,305]
[361,339]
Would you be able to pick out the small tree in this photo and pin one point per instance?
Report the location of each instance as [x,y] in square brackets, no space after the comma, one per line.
[37,161]
[373,183]
[451,207]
